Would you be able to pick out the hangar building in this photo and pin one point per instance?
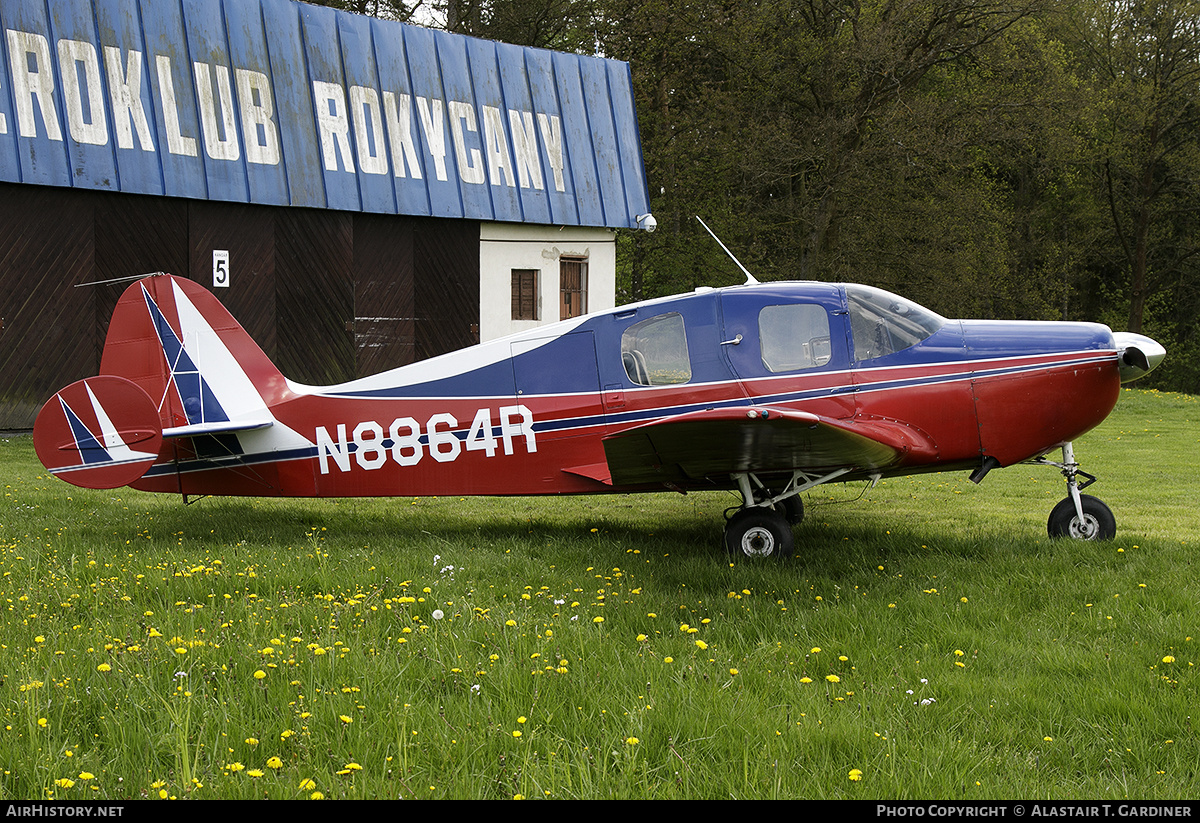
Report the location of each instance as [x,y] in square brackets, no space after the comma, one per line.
[360,193]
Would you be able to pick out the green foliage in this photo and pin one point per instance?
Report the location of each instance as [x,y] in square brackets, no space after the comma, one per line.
[928,639]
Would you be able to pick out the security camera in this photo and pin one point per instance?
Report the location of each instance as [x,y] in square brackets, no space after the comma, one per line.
[647,222]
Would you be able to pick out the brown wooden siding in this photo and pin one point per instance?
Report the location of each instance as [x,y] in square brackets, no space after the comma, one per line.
[328,295]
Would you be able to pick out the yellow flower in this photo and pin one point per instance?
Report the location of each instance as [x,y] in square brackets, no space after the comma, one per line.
[632,741]
[701,645]
[1168,659]
[733,671]
[805,679]
[86,776]
[833,678]
[104,667]
[345,718]
[353,767]
[316,796]
[251,741]
[855,774]
[597,619]
[274,763]
[255,772]
[307,784]
[260,674]
[64,782]
[521,719]
[815,650]
[516,733]
[234,767]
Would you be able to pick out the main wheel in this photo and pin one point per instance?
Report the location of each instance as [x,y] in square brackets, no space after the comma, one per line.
[792,509]
[758,533]
[1098,522]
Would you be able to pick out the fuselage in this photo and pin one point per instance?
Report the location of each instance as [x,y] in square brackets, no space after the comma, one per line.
[527,414]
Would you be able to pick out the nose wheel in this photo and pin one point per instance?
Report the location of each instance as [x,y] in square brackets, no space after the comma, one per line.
[1079,516]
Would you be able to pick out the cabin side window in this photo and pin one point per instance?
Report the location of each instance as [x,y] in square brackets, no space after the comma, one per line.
[882,323]
[794,336]
[654,352]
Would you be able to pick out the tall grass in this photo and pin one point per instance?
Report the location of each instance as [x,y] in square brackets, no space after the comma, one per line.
[929,636]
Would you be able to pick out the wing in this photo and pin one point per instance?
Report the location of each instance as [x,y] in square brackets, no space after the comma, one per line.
[720,442]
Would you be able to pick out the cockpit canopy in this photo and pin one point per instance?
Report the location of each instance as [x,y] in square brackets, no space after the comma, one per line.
[882,323]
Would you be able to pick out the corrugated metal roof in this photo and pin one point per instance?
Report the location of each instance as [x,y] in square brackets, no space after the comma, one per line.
[281,103]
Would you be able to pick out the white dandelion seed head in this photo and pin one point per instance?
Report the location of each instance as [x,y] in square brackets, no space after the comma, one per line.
[438,614]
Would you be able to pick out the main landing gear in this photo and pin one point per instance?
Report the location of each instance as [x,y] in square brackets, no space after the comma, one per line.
[762,526]
[1079,516]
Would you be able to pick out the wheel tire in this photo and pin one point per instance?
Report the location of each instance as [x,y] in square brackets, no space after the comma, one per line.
[1098,521]
[792,509]
[758,533]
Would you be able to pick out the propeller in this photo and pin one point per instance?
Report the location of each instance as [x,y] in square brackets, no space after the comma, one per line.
[1137,354]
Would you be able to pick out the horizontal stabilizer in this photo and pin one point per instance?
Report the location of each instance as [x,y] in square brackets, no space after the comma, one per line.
[220,427]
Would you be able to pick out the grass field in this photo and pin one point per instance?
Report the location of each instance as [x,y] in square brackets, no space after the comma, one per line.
[927,641]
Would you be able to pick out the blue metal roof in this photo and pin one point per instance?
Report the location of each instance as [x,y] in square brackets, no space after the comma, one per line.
[282,103]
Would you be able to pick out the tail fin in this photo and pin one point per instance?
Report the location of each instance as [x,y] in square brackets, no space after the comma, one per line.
[175,340]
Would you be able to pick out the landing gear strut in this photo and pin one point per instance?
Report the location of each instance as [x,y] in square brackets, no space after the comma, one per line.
[1079,516]
[762,526]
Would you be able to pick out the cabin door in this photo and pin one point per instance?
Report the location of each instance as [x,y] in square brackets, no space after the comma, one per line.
[789,348]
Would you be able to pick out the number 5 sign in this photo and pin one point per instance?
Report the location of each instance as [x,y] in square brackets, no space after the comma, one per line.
[220,268]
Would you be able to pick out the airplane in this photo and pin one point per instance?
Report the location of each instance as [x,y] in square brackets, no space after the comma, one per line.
[766,389]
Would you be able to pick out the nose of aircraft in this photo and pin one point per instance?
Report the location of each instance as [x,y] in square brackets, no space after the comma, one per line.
[1137,354]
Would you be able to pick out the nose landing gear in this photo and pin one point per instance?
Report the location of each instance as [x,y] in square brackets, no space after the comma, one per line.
[1079,516]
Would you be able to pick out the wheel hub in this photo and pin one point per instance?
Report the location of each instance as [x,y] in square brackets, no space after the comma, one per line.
[1085,529]
[758,542]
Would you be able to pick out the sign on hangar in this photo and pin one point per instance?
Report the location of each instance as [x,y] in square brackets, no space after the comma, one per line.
[280,103]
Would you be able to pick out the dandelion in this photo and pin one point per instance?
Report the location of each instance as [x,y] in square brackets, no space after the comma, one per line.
[64,782]
[597,619]
[104,667]
[833,678]
[733,671]
[234,767]
[855,774]
[516,733]
[274,763]
[307,785]
[1169,659]
[438,614]
[259,674]
[86,776]
[251,741]
[632,741]
[521,719]
[346,719]
[316,796]
[815,650]
[701,645]
[255,772]
[805,679]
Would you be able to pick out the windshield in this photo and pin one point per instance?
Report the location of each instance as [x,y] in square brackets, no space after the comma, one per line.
[882,323]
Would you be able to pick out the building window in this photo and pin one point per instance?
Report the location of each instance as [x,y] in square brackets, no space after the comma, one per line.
[524,294]
[573,285]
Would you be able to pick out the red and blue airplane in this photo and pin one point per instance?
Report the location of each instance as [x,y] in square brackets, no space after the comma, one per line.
[766,389]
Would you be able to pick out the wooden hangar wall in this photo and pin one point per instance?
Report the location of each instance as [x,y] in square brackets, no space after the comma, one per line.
[329,295]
